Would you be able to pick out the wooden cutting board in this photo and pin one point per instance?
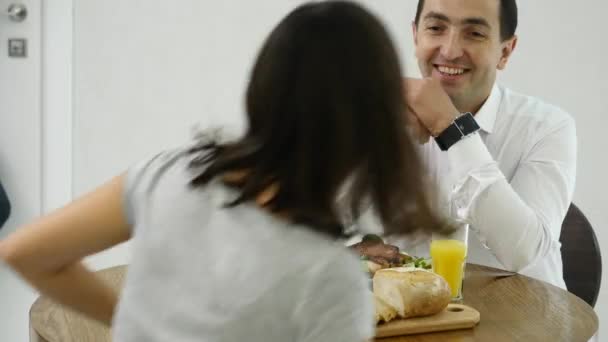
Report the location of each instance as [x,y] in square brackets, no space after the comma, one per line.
[455,316]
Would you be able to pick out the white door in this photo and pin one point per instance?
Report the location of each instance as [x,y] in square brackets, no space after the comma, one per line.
[20,148]
[20,110]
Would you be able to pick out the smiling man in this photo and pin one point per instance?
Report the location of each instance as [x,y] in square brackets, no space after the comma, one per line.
[504,162]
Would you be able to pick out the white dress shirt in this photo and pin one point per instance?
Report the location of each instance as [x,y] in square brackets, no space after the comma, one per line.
[512,182]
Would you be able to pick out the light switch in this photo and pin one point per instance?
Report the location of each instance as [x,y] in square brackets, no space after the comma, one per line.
[17,47]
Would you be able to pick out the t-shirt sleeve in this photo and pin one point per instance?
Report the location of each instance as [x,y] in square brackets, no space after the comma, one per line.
[142,178]
[338,305]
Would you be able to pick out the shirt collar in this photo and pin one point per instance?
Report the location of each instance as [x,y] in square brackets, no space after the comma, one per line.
[486,115]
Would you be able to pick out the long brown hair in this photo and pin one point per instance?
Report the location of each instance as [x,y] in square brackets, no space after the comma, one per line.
[325,105]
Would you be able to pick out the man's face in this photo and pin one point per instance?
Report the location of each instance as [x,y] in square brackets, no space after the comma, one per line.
[459,43]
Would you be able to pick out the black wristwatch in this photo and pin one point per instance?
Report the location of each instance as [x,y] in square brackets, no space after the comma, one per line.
[462,126]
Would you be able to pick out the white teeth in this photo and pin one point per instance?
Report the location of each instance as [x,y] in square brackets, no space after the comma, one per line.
[450,71]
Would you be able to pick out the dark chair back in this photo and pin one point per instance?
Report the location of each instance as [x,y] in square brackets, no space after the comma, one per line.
[581,256]
[5,206]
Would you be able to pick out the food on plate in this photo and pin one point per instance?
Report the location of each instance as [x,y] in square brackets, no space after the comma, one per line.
[377,255]
[409,292]
[403,287]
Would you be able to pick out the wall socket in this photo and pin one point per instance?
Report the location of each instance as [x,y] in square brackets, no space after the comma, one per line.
[17,47]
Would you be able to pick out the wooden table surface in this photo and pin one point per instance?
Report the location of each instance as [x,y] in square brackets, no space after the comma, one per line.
[517,308]
[513,308]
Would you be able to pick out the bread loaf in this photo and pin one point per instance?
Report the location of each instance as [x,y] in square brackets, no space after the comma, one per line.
[411,292]
[384,312]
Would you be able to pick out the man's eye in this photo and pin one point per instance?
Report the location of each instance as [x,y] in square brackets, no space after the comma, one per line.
[434,28]
[478,34]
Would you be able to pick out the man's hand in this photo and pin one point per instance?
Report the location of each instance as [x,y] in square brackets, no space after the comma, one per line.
[430,104]
[417,130]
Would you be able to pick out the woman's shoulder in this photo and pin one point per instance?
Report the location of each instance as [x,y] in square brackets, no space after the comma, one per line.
[180,156]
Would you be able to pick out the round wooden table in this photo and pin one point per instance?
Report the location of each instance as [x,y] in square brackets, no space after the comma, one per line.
[512,307]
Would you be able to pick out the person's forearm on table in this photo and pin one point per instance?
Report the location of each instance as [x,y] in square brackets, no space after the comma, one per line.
[510,228]
[76,287]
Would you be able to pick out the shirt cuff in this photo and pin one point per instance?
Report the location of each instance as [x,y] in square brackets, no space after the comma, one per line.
[467,155]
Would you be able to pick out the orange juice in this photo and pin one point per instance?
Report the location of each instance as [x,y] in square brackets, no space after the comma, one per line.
[448,261]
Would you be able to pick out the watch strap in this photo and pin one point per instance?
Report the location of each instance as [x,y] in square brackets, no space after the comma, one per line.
[461,127]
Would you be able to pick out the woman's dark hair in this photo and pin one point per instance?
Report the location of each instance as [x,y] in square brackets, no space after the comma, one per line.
[325,109]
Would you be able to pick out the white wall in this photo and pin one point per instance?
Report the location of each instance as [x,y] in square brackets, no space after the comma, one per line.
[57,103]
[141,81]
[20,153]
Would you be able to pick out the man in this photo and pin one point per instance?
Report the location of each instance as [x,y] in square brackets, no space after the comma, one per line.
[508,168]
[5,206]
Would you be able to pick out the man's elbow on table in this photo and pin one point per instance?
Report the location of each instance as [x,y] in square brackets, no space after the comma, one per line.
[518,264]
[529,251]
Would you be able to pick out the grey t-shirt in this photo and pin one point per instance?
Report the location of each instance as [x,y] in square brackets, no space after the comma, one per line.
[202,272]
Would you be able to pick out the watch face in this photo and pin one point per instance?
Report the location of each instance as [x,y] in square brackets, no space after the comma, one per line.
[467,124]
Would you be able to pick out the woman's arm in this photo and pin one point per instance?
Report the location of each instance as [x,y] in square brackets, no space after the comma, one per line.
[48,252]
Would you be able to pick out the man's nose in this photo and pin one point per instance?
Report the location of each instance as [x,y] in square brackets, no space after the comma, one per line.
[451,47]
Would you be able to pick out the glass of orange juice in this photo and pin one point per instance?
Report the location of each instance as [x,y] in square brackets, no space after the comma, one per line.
[449,254]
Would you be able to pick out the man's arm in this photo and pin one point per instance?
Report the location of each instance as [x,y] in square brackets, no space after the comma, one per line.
[519,221]
[5,206]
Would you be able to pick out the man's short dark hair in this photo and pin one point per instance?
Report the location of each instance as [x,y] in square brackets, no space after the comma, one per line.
[508,17]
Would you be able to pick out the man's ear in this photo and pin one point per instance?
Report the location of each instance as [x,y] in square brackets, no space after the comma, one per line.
[415,32]
[508,46]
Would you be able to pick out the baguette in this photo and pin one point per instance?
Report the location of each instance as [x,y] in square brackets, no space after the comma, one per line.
[411,292]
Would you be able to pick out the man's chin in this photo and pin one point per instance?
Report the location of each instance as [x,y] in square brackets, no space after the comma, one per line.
[456,95]
[452,89]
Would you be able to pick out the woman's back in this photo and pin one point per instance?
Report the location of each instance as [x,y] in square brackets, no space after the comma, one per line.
[203,272]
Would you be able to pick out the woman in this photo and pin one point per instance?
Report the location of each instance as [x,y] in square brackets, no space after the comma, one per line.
[238,240]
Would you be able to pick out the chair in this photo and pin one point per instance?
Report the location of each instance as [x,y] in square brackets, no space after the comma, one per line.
[52,322]
[5,206]
[581,257]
